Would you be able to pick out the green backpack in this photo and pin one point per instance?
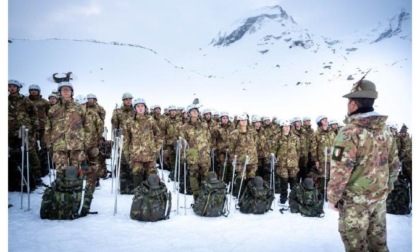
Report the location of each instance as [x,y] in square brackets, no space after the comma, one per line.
[306,201]
[256,198]
[151,201]
[398,201]
[67,198]
[212,200]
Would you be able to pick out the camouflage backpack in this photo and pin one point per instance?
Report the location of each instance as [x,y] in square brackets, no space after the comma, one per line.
[306,200]
[151,201]
[67,198]
[211,201]
[256,198]
[398,201]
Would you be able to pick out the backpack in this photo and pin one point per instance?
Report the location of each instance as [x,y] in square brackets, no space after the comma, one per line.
[151,203]
[307,202]
[212,200]
[398,201]
[66,200]
[256,198]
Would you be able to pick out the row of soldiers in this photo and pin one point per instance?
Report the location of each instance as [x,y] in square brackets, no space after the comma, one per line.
[57,129]
[213,139]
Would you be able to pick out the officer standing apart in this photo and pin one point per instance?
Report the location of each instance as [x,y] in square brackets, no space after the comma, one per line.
[363,169]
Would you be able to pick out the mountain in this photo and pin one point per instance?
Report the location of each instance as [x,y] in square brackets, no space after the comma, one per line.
[260,64]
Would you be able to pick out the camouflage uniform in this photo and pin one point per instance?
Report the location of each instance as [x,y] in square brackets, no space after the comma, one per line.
[321,139]
[94,129]
[212,126]
[244,144]
[363,170]
[303,152]
[42,106]
[263,153]
[21,111]
[287,153]
[221,135]
[142,139]
[64,132]
[405,154]
[197,136]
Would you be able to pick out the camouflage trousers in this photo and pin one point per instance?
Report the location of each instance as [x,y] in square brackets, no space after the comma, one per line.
[62,159]
[251,169]
[139,168]
[198,173]
[362,226]
[287,172]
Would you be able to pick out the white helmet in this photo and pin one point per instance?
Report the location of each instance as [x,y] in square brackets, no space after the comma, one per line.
[34,87]
[205,111]
[91,96]
[285,123]
[306,118]
[332,121]
[65,84]
[127,96]
[138,101]
[80,99]
[53,95]
[263,118]
[224,113]
[215,112]
[319,118]
[295,119]
[255,118]
[171,107]
[15,82]
[191,107]
[156,106]
[242,117]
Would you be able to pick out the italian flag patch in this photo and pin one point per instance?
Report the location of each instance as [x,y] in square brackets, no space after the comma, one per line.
[337,153]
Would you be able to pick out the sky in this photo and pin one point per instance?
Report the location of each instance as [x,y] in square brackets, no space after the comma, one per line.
[183,231]
[177,30]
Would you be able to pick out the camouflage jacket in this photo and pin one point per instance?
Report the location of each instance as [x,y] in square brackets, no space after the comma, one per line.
[64,129]
[222,136]
[42,106]
[21,111]
[287,150]
[94,128]
[162,123]
[270,133]
[142,138]
[120,117]
[263,150]
[197,136]
[304,143]
[321,139]
[243,144]
[405,145]
[100,110]
[171,131]
[365,160]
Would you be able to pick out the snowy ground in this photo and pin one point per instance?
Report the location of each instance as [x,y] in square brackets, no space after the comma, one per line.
[184,231]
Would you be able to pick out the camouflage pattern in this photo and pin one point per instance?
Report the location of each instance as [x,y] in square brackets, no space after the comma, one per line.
[244,144]
[363,170]
[42,106]
[270,133]
[287,155]
[94,128]
[170,134]
[211,201]
[65,133]
[197,136]
[321,139]
[307,202]
[142,140]
[120,116]
[221,136]
[405,153]
[22,112]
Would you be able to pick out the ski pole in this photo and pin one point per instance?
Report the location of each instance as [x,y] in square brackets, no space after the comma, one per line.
[185,177]
[117,182]
[242,178]
[212,159]
[22,148]
[325,173]
[231,186]
[49,165]
[28,186]
[273,178]
[224,164]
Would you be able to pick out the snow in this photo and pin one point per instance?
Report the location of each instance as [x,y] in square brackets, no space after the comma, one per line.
[183,231]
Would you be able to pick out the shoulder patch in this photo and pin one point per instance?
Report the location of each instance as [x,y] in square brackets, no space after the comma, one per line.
[337,153]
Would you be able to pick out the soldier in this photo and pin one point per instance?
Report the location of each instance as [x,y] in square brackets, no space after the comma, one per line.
[363,170]
[222,132]
[119,120]
[42,106]
[53,99]
[143,141]
[242,143]
[197,135]
[270,132]
[94,128]
[301,133]
[216,116]
[93,104]
[64,131]
[322,140]
[21,112]
[263,151]
[405,151]
[288,151]
[333,124]
[212,126]
[170,134]
[162,123]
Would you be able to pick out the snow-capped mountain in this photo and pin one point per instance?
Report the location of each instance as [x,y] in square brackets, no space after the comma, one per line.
[262,63]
